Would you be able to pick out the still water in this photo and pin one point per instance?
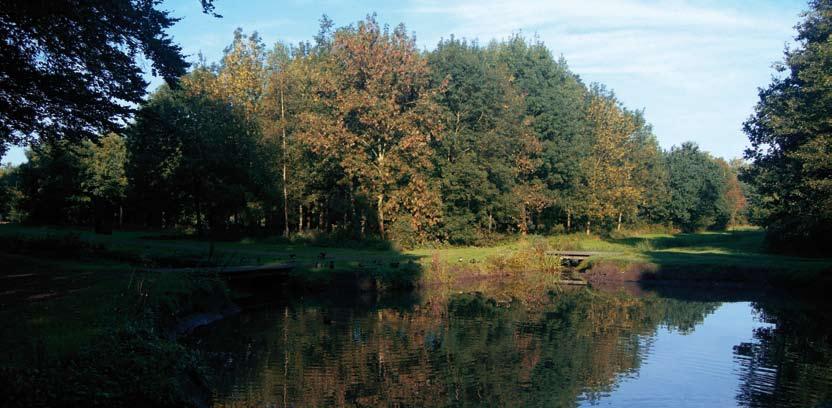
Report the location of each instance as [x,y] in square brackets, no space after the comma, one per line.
[561,348]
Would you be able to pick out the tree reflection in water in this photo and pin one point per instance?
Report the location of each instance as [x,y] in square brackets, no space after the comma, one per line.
[448,349]
[789,362]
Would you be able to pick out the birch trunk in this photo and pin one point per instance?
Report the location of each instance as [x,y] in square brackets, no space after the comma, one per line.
[568,220]
[283,143]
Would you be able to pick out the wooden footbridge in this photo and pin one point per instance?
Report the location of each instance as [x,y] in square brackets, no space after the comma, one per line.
[573,258]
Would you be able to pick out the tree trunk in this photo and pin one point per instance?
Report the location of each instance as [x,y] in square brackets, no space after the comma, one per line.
[300,219]
[357,221]
[103,216]
[568,220]
[587,226]
[285,190]
[381,215]
[309,225]
[199,226]
[321,217]
[619,222]
[523,224]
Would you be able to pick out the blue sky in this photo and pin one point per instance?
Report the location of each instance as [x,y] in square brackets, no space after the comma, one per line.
[695,66]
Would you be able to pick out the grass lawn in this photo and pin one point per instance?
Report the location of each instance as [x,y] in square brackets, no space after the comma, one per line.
[735,250]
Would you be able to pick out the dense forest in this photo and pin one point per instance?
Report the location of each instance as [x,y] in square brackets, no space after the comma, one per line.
[360,133]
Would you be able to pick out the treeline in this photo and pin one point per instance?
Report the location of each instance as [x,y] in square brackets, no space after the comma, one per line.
[360,133]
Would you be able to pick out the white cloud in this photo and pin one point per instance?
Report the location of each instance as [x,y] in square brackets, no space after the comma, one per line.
[492,15]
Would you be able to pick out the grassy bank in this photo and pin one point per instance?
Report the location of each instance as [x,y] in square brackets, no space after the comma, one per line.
[75,300]
[67,285]
[735,256]
[738,256]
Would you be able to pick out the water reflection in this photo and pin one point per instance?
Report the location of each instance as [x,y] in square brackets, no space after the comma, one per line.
[559,348]
[789,361]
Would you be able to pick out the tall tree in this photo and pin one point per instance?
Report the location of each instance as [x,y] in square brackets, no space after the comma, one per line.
[193,153]
[69,69]
[10,194]
[279,83]
[288,94]
[103,177]
[377,111]
[555,100]
[697,187]
[791,139]
[488,149]
[242,79]
[609,189]
[50,182]
[734,198]
[650,173]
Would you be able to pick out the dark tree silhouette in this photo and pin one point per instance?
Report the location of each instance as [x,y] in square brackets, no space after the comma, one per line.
[69,69]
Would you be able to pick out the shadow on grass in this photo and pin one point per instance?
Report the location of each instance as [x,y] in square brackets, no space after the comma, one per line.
[744,241]
[319,258]
[715,257]
[756,269]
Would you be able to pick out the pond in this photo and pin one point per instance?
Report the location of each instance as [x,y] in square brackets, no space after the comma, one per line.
[564,347]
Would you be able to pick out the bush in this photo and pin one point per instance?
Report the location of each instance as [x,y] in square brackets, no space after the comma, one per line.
[533,256]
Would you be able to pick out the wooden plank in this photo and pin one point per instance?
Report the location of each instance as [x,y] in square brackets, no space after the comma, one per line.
[578,254]
[575,282]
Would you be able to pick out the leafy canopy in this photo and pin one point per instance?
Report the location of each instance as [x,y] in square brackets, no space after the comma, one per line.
[70,69]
